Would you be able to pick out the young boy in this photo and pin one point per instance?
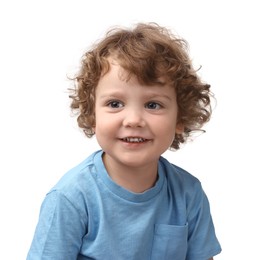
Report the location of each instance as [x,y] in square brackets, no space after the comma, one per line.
[139,94]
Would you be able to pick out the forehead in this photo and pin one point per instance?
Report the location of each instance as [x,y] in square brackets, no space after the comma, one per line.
[117,80]
[128,73]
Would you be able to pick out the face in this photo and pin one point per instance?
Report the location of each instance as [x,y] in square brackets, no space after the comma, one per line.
[135,124]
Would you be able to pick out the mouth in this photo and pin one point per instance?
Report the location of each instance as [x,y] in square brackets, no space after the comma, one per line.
[134,140]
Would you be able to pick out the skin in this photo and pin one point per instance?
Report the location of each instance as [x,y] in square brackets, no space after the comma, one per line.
[127,112]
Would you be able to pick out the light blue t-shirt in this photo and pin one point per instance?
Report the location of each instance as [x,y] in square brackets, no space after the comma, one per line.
[88,216]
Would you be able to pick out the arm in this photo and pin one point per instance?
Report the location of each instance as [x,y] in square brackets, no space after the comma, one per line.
[59,230]
[202,237]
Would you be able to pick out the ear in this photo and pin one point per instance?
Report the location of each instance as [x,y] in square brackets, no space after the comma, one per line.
[179,128]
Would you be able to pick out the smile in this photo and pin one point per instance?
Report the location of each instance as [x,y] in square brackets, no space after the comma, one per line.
[134,139]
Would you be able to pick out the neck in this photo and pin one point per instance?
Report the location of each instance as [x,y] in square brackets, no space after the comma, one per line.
[134,179]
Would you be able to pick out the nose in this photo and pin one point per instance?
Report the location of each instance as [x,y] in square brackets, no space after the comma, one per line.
[134,118]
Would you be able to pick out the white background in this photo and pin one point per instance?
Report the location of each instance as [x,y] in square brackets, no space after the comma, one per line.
[41,43]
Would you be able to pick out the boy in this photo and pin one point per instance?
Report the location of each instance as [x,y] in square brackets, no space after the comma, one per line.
[139,94]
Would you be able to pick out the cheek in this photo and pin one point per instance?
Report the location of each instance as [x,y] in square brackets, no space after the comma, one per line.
[164,124]
[167,131]
[104,126]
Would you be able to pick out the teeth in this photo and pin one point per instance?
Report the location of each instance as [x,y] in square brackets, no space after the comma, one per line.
[134,139]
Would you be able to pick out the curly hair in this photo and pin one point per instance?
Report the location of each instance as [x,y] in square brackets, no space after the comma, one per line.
[151,53]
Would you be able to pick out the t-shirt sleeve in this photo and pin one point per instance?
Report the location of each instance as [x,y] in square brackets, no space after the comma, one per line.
[202,241]
[59,231]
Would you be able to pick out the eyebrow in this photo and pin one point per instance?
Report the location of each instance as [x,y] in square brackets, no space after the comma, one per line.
[112,94]
[119,94]
[155,95]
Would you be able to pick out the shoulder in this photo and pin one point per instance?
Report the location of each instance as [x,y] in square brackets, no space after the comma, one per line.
[178,175]
[78,181]
[182,185]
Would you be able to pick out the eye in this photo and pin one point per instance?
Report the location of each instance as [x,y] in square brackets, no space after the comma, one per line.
[115,104]
[153,105]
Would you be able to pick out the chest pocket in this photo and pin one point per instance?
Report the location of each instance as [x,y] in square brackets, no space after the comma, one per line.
[170,242]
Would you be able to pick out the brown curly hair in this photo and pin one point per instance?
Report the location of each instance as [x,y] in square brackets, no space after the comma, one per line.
[150,52]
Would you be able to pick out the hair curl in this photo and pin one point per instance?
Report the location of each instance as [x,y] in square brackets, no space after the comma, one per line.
[151,53]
